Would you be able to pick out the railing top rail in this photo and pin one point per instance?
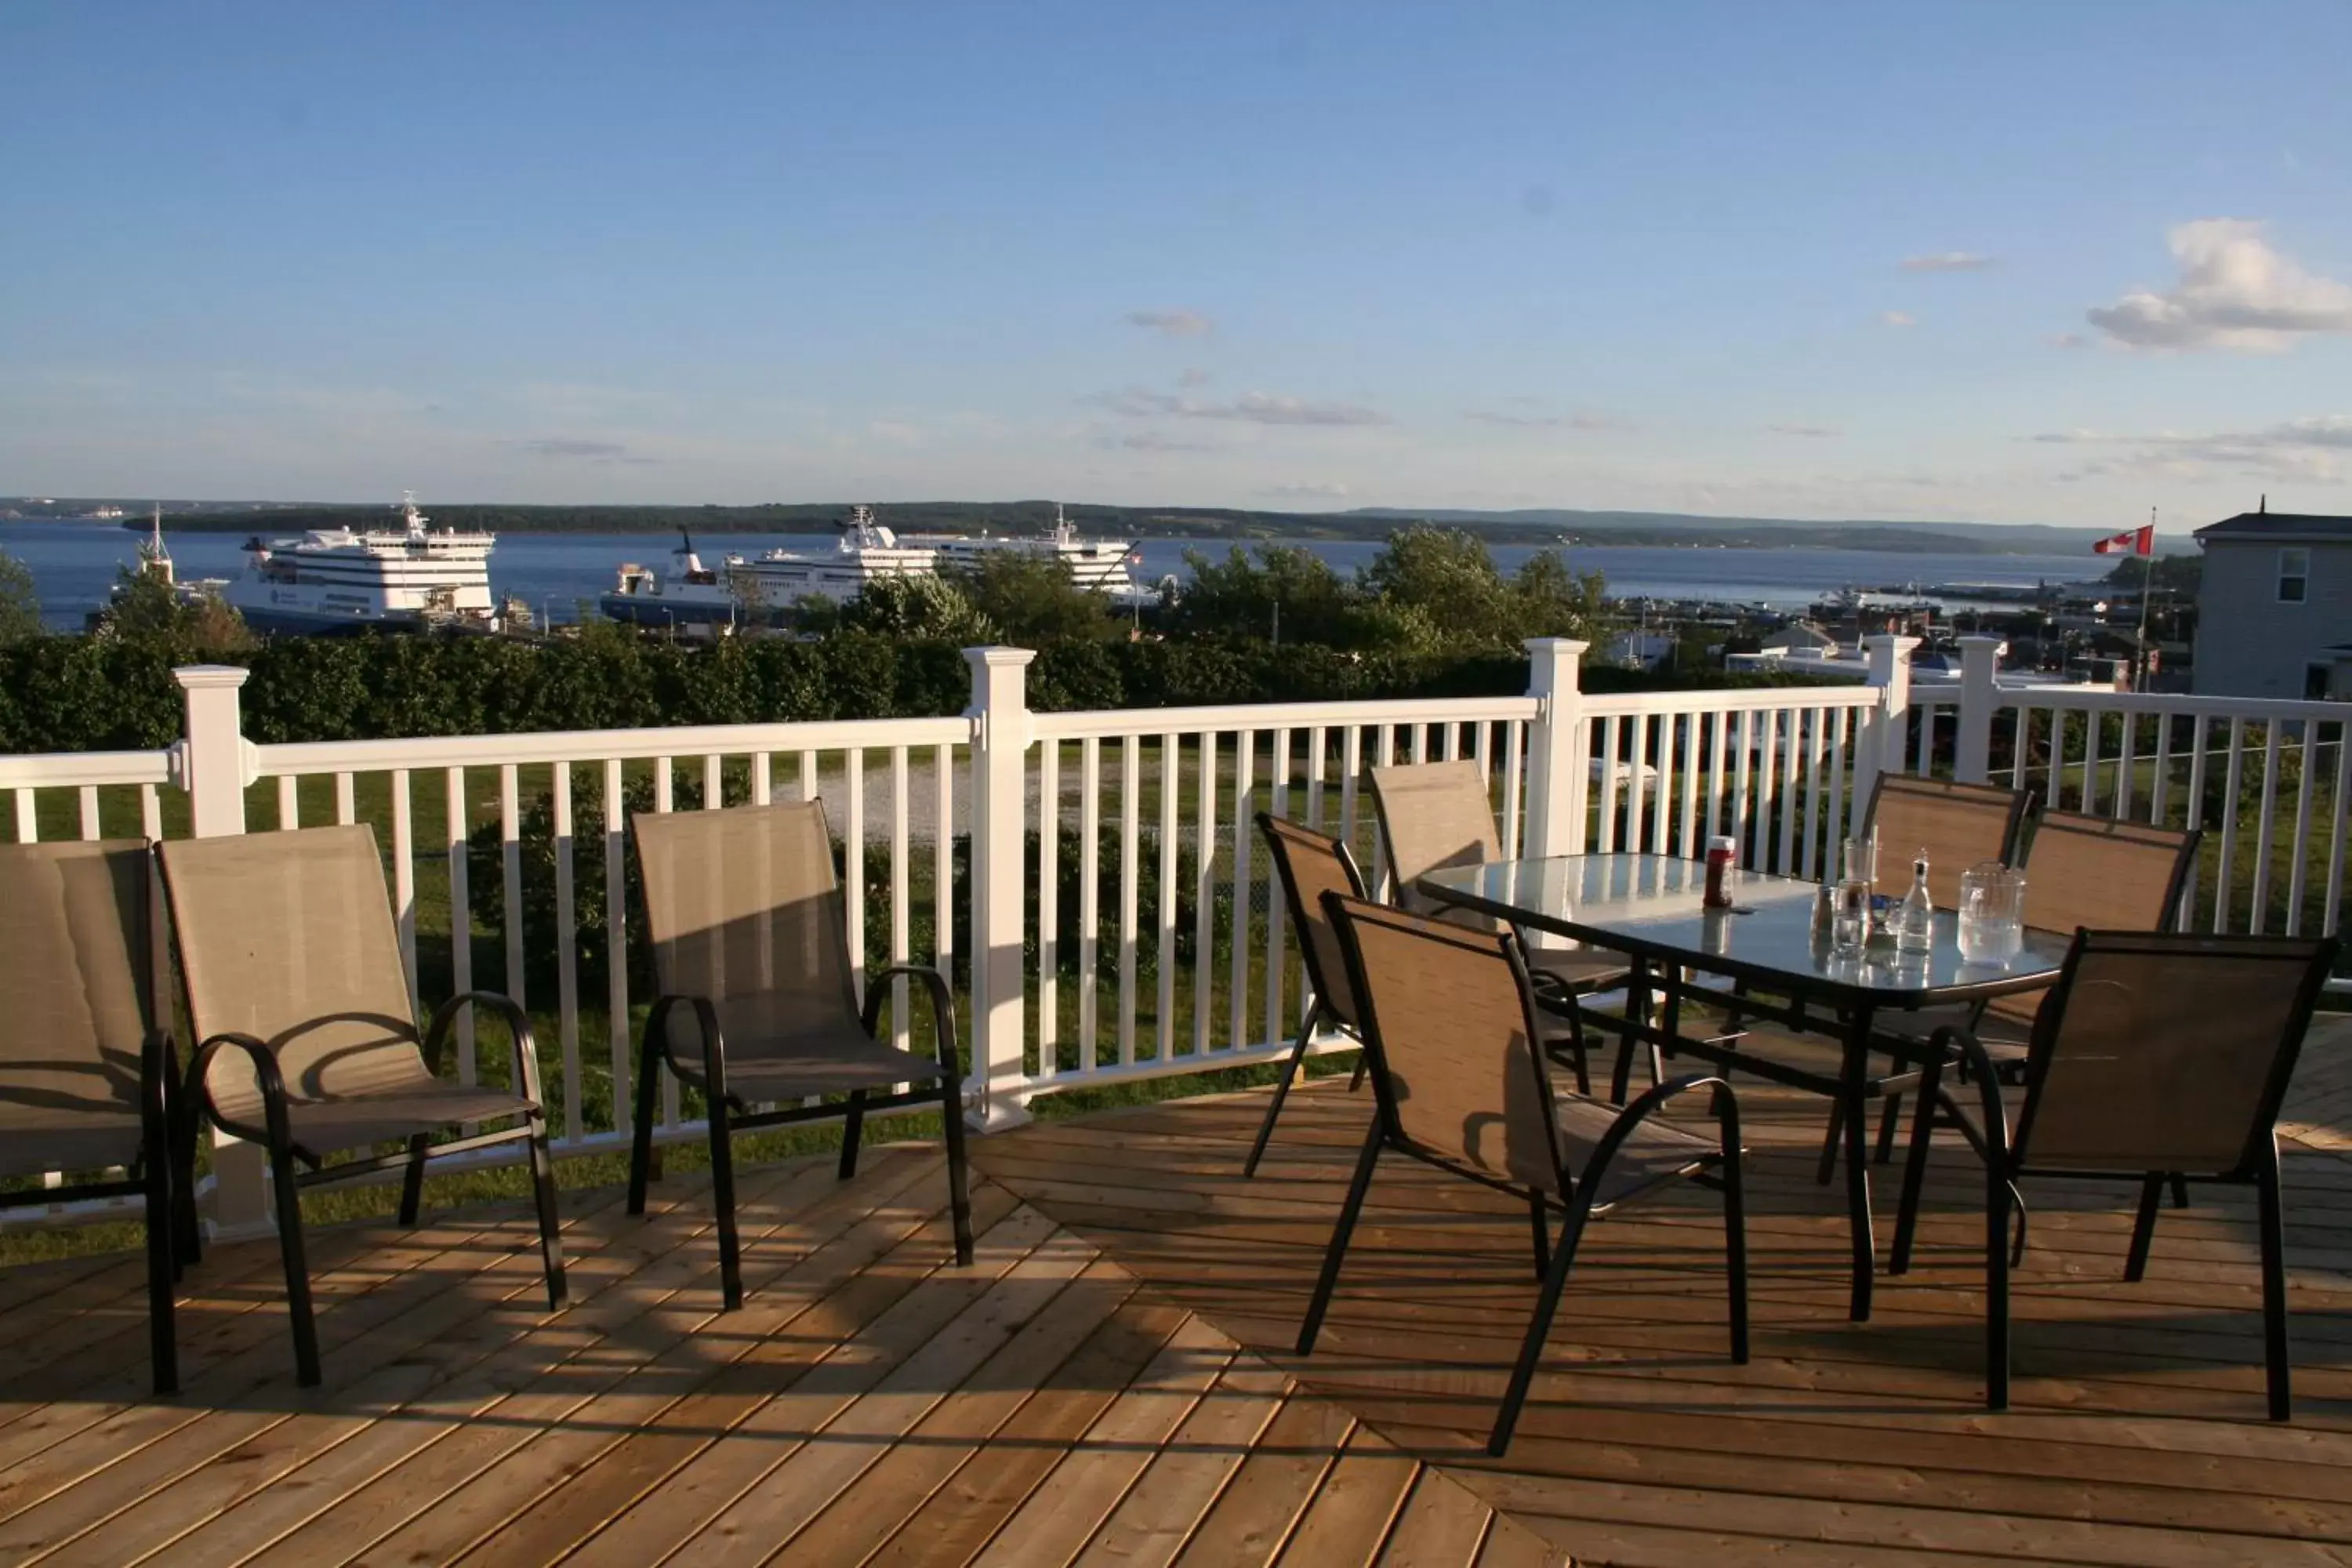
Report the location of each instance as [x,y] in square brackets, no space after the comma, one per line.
[2104,700]
[1280,716]
[1739,700]
[62,769]
[603,745]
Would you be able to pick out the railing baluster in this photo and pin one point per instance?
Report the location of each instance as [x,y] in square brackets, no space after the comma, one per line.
[902,1034]
[1090,901]
[714,783]
[616,968]
[1278,779]
[2020,753]
[1237,993]
[1606,760]
[1784,854]
[1515,806]
[1049,904]
[854,868]
[510,881]
[461,919]
[943,861]
[1662,785]
[1131,831]
[28,828]
[2338,810]
[2229,826]
[2159,785]
[567,968]
[290,806]
[1172,756]
[810,780]
[1816,722]
[404,877]
[2091,725]
[1204,889]
[2196,815]
[1383,755]
[2124,761]
[2266,826]
[761,784]
[150,812]
[2301,854]
[1833,840]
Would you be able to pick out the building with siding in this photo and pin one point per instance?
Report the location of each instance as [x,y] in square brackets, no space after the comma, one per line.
[2274,609]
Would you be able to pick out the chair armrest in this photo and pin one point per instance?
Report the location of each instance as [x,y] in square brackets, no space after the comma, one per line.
[518,1022]
[277,1134]
[1724,1106]
[943,1019]
[714,1043]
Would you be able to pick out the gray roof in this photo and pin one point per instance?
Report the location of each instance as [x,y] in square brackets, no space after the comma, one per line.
[2277,525]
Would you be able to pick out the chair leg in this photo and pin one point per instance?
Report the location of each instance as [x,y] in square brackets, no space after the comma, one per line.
[640,1146]
[297,1268]
[722,1200]
[1356,1078]
[853,1128]
[1542,1229]
[1328,1279]
[2179,1191]
[187,1228]
[412,1182]
[551,1222]
[1831,1141]
[1282,1091]
[1997,1202]
[1888,1120]
[959,1182]
[1522,1374]
[2274,1338]
[162,1269]
[2151,1199]
[1735,1222]
[1914,1167]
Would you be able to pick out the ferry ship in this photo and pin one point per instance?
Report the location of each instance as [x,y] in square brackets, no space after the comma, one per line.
[345,580]
[1100,564]
[690,594]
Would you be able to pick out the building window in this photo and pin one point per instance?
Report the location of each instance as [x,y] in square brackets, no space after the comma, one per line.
[2295,575]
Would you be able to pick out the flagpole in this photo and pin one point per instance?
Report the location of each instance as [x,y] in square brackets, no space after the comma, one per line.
[2147,587]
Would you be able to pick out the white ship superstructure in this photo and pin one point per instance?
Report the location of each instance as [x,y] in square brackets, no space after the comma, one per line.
[342,579]
[865,552]
[1100,564]
[688,595]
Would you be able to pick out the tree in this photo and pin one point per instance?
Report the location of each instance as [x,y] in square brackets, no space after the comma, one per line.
[146,609]
[1242,597]
[1554,602]
[913,607]
[1033,600]
[2180,574]
[20,602]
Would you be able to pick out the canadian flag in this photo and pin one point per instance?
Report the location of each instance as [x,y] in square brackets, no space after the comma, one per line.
[2136,542]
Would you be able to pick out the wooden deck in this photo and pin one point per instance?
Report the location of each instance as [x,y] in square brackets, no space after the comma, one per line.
[1111,1382]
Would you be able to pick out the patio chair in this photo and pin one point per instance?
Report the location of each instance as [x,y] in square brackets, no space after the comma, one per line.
[751,960]
[1310,864]
[307,1042]
[1449,1020]
[1436,816]
[1959,826]
[2155,1054]
[87,1072]
[2081,873]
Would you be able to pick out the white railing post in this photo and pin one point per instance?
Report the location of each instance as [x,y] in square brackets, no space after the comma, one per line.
[999,764]
[1980,695]
[1556,748]
[1887,730]
[215,765]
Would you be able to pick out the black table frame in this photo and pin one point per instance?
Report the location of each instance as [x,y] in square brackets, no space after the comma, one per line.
[1856,1007]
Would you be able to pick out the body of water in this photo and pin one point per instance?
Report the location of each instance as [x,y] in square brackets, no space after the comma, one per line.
[74,565]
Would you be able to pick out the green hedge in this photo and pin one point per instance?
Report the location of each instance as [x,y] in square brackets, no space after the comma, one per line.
[75,693]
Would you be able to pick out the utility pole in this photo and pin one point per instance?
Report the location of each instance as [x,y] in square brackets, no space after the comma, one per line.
[2147,591]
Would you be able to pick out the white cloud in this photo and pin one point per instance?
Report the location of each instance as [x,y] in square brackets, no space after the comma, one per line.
[2235,293]
[2315,448]
[1254,407]
[581,449]
[1311,490]
[1153,441]
[1171,323]
[1545,421]
[1897,319]
[1813,430]
[1947,261]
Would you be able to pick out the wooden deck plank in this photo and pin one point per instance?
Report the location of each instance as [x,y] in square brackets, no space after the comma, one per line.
[1356,1505]
[1252,1519]
[1175,1490]
[1443,1525]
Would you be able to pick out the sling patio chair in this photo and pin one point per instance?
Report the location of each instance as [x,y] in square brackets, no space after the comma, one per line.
[307,1042]
[1449,1020]
[86,1069]
[2156,1054]
[1310,864]
[1957,825]
[2080,873]
[1436,815]
[751,960]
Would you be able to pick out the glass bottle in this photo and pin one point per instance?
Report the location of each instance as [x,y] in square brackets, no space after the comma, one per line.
[1914,923]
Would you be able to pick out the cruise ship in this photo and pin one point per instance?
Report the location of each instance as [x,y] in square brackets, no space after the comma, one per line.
[692,595]
[346,579]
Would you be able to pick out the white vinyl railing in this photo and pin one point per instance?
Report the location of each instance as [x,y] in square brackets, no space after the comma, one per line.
[1093,882]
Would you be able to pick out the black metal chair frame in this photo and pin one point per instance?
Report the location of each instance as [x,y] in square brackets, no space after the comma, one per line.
[285,1155]
[1553,1259]
[2007,1160]
[170,1214]
[730,1113]
[1319,1016]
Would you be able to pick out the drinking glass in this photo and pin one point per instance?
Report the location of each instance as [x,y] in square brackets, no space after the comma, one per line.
[1850,916]
[1991,913]
[1858,860]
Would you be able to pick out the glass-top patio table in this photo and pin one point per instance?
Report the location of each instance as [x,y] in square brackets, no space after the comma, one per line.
[1648,907]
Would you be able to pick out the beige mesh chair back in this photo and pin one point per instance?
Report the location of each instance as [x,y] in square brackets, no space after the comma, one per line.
[86,1077]
[1450,1031]
[1308,865]
[2097,874]
[1433,815]
[1959,824]
[308,1044]
[751,943]
[2157,1055]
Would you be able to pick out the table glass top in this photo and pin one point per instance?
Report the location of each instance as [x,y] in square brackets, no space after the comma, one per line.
[1650,904]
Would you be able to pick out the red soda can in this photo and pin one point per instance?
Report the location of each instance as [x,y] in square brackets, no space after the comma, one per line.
[1720,852]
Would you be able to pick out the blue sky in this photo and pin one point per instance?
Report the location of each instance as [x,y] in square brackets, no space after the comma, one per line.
[2011,261]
